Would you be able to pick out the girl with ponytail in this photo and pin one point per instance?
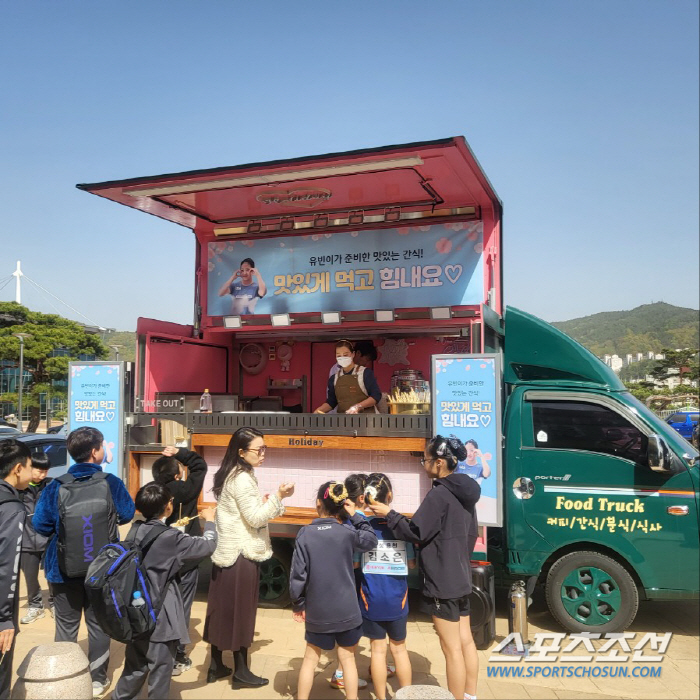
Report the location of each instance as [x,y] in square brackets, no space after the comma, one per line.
[445,527]
[322,584]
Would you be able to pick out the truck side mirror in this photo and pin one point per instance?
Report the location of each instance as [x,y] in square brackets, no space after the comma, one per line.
[658,455]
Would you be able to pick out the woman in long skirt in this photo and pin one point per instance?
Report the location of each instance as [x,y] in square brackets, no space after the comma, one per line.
[242,516]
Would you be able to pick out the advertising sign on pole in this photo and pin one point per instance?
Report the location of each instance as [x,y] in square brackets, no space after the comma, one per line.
[95,400]
[408,266]
[466,398]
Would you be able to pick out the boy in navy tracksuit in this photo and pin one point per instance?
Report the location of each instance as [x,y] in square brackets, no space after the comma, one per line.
[168,471]
[85,446]
[322,584]
[34,544]
[15,474]
[155,657]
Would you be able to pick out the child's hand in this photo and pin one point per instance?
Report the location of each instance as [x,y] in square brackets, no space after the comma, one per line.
[350,508]
[170,451]
[378,508]
[208,514]
[299,616]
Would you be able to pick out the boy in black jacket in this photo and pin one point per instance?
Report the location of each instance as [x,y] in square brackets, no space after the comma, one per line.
[34,544]
[15,474]
[169,472]
[155,657]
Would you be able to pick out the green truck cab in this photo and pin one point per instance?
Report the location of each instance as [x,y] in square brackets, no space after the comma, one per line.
[600,495]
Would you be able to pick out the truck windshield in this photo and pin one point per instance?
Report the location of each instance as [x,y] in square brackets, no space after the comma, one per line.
[677,443]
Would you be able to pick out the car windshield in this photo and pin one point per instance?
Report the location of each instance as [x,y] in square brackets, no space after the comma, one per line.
[679,444]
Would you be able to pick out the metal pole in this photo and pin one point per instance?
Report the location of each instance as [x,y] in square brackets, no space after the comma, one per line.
[21,382]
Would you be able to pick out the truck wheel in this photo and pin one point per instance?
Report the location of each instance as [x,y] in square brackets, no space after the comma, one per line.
[274,578]
[590,592]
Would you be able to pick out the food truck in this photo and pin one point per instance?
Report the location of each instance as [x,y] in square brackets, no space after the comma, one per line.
[584,490]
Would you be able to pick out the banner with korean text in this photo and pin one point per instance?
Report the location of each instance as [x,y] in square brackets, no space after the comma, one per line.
[467,404]
[95,400]
[406,267]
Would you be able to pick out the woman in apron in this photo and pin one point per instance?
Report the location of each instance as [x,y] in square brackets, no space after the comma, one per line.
[352,388]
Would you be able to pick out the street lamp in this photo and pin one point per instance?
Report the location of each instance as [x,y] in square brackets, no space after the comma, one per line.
[116,350]
[21,337]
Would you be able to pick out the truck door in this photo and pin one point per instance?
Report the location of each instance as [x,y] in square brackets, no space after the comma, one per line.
[584,456]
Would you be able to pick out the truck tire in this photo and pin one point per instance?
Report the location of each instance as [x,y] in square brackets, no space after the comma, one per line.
[590,592]
[274,577]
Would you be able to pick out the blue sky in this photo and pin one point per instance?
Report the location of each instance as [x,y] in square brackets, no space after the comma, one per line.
[584,115]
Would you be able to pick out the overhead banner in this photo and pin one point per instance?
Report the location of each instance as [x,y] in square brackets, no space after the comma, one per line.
[411,266]
[467,405]
[95,400]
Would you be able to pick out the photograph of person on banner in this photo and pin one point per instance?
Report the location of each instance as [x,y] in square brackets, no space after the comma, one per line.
[475,465]
[245,286]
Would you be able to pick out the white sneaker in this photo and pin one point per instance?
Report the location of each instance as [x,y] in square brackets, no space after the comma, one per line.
[338,682]
[99,689]
[182,666]
[33,615]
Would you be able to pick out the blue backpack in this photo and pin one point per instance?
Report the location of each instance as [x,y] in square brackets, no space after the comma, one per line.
[112,579]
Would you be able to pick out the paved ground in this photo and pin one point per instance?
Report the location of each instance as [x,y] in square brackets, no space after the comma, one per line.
[279,646]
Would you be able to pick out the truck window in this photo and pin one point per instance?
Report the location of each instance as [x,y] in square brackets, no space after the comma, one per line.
[574,425]
[677,418]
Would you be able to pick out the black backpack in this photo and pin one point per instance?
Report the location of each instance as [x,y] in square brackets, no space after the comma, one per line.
[87,521]
[113,578]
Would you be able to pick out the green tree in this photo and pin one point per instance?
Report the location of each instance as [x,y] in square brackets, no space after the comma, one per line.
[676,363]
[48,333]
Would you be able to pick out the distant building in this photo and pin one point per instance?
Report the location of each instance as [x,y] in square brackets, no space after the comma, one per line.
[616,363]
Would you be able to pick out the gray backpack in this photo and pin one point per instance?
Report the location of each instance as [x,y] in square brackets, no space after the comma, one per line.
[87,521]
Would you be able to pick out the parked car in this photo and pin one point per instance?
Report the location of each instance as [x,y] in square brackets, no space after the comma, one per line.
[8,431]
[53,446]
[57,429]
[684,421]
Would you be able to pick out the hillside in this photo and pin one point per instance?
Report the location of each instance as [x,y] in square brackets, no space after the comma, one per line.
[127,341]
[648,327]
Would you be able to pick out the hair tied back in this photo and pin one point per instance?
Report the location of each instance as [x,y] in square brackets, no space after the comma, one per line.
[337,497]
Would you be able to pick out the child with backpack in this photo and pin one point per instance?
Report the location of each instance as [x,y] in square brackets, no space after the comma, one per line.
[384,592]
[154,657]
[322,584]
[80,512]
[34,544]
[168,470]
[15,473]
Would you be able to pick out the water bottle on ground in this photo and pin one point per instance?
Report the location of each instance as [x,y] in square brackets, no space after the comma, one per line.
[205,404]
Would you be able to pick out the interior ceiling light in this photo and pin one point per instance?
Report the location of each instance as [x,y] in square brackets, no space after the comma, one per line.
[384,315]
[440,313]
[330,317]
[280,320]
[277,177]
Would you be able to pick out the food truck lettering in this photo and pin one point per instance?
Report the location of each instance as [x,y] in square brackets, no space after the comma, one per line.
[606,524]
[604,504]
[300,197]
[305,442]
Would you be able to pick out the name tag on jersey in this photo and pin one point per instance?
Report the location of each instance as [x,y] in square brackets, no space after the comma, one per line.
[388,558]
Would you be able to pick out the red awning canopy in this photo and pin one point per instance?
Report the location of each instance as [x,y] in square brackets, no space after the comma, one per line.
[429,176]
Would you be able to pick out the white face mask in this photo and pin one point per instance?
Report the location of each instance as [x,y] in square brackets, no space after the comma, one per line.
[344,361]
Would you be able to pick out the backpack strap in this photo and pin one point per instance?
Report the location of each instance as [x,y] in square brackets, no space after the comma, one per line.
[69,478]
[156,531]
